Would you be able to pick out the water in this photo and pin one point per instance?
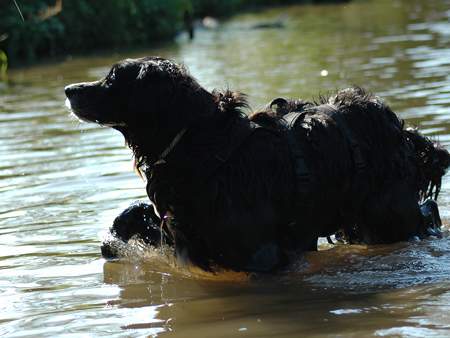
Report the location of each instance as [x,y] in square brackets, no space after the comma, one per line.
[63,182]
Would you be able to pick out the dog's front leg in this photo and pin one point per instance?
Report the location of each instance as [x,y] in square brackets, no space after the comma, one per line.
[138,221]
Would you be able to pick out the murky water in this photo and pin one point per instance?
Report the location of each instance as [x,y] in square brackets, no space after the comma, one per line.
[63,182]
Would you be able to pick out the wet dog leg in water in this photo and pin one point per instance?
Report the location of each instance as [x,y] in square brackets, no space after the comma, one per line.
[431,218]
[138,221]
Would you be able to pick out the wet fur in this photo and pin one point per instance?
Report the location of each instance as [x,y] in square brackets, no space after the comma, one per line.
[246,213]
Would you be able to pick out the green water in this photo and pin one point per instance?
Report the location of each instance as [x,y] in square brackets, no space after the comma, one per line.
[63,182]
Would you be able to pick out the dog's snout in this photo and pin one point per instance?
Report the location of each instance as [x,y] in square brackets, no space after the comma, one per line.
[70,89]
[74,88]
[81,88]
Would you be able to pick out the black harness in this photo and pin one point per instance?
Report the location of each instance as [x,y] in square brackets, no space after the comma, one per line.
[242,129]
[358,158]
[159,186]
[303,174]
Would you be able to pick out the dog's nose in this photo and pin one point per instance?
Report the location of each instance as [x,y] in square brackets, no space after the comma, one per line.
[70,89]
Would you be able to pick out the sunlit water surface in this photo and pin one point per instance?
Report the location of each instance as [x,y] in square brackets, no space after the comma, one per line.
[63,182]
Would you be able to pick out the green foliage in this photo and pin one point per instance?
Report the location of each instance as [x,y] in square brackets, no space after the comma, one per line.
[3,65]
[28,38]
[86,25]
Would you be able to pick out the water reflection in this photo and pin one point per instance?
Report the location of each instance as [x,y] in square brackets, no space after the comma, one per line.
[275,306]
[63,182]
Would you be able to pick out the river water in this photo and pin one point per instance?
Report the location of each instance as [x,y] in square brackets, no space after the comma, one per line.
[62,182]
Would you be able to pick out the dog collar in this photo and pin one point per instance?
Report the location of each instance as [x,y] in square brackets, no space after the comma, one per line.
[176,139]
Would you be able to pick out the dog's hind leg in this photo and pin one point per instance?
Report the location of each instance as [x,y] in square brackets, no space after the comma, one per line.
[391,216]
[431,218]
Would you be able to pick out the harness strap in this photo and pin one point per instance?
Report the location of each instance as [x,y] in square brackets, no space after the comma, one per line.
[240,131]
[358,158]
[158,186]
[302,172]
[176,139]
[304,178]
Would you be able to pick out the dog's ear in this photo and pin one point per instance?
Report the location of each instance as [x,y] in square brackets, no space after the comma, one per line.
[150,94]
[166,90]
[230,102]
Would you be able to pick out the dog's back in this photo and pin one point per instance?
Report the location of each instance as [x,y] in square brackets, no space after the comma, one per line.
[358,168]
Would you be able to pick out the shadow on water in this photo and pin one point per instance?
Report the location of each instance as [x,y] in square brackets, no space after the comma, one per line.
[62,183]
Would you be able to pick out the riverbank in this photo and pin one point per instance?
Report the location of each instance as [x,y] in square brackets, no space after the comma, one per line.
[50,28]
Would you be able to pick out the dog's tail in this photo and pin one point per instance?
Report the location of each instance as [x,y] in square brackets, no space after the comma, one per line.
[432,161]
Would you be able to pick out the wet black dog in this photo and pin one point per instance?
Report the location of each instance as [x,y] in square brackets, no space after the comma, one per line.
[249,193]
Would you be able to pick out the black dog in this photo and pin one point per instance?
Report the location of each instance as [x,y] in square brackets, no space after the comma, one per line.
[249,193]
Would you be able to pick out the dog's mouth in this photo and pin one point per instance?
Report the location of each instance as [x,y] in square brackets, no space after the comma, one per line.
[84,114]
[81,113]
[88,102]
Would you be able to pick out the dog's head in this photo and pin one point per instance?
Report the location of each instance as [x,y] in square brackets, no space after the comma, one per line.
[149,100]
[149,92]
